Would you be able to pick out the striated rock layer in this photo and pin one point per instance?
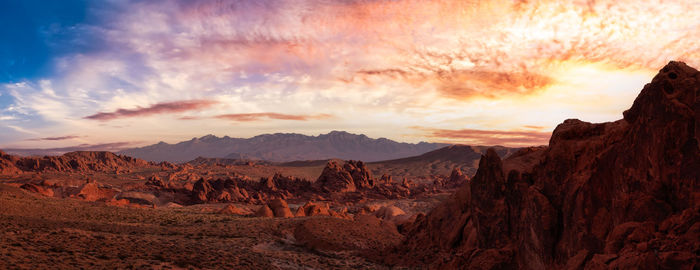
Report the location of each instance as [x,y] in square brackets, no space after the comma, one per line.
[622,195]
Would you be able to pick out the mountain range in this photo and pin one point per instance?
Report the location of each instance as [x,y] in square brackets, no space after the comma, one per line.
[283,147]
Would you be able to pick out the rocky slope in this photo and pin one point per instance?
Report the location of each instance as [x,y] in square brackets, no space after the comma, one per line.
[617,195]
[283,147]
[106,162]
[439,162]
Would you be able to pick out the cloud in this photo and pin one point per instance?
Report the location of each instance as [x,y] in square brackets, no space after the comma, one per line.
[389,64]
[465,84]
[61,138]
[160,108]
[247,117]
[487,137]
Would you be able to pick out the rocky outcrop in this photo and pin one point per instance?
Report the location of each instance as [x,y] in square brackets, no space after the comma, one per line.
[312,209]
[617,195]
[7,164]
[391,213]
[264,211]
[319,209]
[38,189]
[83,161]
[275,208]
[241,190]
[352,176]
[280,208]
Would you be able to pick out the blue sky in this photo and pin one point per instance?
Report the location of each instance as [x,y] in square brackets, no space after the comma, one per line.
[34,32]
[139,72]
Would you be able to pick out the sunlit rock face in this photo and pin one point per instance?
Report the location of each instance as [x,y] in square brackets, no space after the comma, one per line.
[623,194]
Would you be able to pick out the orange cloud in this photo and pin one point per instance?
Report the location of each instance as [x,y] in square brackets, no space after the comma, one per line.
[487,137]
[248,117]
[159,108]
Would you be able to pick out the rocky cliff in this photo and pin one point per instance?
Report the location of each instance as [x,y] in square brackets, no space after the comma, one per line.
[621,195]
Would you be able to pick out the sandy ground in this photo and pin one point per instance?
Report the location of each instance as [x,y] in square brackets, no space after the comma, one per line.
[39,232]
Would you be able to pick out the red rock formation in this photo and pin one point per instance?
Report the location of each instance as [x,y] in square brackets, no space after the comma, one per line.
[313,209]
[280,208]
[38,189]
[156,181]
[201,190]
[457,179]
[617,195]
[83,161]
[7,164]
[352,176]
[264,211]
[391,213]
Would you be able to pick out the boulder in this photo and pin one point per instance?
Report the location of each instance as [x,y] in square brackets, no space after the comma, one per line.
[264,211]
[280,208]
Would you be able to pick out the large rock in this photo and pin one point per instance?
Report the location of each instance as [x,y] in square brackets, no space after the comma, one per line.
[352,176]
[264,211]
[7,164]
[618,195]
[280,208]
[46,191]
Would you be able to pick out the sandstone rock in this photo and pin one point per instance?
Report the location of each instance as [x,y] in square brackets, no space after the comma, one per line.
[280,208]
[201,190]
[600,196]
[48,192]
[155,181]
[313,209]
[89,192]
[352,176]
[391,213]
[264,211]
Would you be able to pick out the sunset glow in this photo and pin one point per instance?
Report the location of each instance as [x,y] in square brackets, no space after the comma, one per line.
[474,72]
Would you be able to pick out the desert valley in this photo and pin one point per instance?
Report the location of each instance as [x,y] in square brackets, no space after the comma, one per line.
[614,195]
[350,134]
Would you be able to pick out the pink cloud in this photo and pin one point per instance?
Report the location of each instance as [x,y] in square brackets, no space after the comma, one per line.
[159,108]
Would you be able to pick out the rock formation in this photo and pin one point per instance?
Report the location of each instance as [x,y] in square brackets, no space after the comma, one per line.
[275,208]
[618,195]
[264,211]
[7,164]
[280,208]
[83,161]
[391,213]
[352,176]
[312,209]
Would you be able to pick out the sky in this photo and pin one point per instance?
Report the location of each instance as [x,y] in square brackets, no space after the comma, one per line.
[130,73]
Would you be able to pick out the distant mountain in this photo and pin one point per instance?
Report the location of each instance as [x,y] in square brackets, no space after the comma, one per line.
[281,147]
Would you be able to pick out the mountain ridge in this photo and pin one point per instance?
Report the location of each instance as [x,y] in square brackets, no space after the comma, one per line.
[284,147]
